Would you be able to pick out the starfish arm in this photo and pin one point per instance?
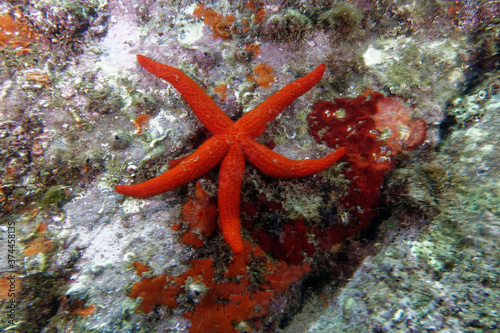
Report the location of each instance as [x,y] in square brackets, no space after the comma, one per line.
[255,122]
[277,165]
[214,119]
[206,157]
[231,173]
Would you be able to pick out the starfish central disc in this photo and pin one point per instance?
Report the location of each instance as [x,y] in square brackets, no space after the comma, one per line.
[231,145]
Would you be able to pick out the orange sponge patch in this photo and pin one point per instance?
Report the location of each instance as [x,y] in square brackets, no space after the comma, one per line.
[226,303]
[153,292]
[40,243]
[221,91]
[13,33]
[201,214]
[285,275]
[222,26]
[262,75]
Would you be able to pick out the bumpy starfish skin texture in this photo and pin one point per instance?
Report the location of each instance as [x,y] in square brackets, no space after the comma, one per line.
[232,143]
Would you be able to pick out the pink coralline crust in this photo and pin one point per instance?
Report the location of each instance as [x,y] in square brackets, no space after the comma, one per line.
[393,114]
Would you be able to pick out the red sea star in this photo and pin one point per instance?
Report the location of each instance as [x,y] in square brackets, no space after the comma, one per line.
[231,144]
